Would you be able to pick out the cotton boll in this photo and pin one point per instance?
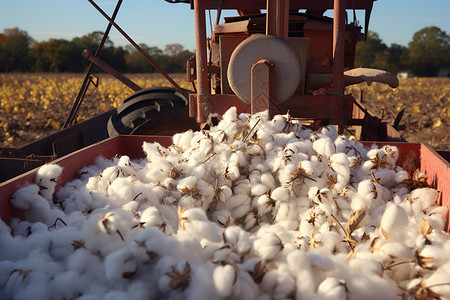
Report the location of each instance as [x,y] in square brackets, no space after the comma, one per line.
[154,240]
[121,191]
[386,177]
[237,238]
[200,286]
[239,158]
[46,179]
[226,255]
[224,277]
[432,256]
[232,173]
[427,197]
[393,221]
[400,176]
[370,263]
[264,204]
[236,200]
[299,264]
[119,222]
[243,210]
[398,250]
[367,189]
[153,150]
[279,123]
[224,193]
[84,262]
[222,217]
[194,221]
[68,285]
[329,131]
[333,288]
[120,264]
[436,217]
[281,194]
[204,230]
[268,180]
[367,286]
[268,246]
[24,196]
[324,146]
[286,286]
[246,288]
[251,221]
[151,216]
[259,189]
[111,173]
[286,215]
[392,153]
[229,116]
[438,283]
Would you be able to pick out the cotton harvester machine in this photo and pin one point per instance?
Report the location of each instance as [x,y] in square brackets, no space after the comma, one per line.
[276,55]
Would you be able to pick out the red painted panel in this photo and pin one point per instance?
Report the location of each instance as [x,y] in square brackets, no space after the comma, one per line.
[71,163]
[411,157]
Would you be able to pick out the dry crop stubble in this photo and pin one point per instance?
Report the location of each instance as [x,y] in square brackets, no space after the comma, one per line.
[426,104]
[34,105]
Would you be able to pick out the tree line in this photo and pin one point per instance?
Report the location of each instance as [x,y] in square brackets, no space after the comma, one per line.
[20,53]
[426,55]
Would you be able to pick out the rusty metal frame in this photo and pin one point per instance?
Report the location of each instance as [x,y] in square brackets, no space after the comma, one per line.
[107,68]
[277,18]
[137,47]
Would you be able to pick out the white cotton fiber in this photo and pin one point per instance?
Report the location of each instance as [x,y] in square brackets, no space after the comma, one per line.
[46,179]
[249,209]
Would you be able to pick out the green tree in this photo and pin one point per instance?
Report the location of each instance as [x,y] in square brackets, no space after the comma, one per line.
[137,63]
[175,58]
[54,55]
[371,53]
[429,51]
[14,50]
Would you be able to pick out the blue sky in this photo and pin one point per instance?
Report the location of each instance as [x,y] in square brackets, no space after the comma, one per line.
[158,23]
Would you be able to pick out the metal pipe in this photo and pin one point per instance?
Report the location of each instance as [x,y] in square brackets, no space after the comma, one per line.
[283,19]
[104,66]
[271,21]
[201,60]
[77,103]
[147,57]
[338,46]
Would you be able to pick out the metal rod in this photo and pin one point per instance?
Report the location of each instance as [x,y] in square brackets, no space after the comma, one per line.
[271,21]
[147,57]
[338,46]
[77,103]
[283,19]
[201,61]
[104,66]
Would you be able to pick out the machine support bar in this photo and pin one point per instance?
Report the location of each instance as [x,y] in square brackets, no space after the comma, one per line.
[271,21]
[201,61]
[77,103]
[338,46]
[107,68]
[147,57]
[283,17]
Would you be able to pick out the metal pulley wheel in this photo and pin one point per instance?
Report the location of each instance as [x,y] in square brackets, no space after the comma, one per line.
[287,66]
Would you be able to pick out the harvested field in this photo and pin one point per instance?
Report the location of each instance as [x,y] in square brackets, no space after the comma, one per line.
[35,105]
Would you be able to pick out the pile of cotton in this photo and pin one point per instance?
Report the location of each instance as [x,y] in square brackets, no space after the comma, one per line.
[252,208]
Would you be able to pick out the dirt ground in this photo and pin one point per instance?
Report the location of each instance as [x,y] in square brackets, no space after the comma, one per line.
[425,103]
